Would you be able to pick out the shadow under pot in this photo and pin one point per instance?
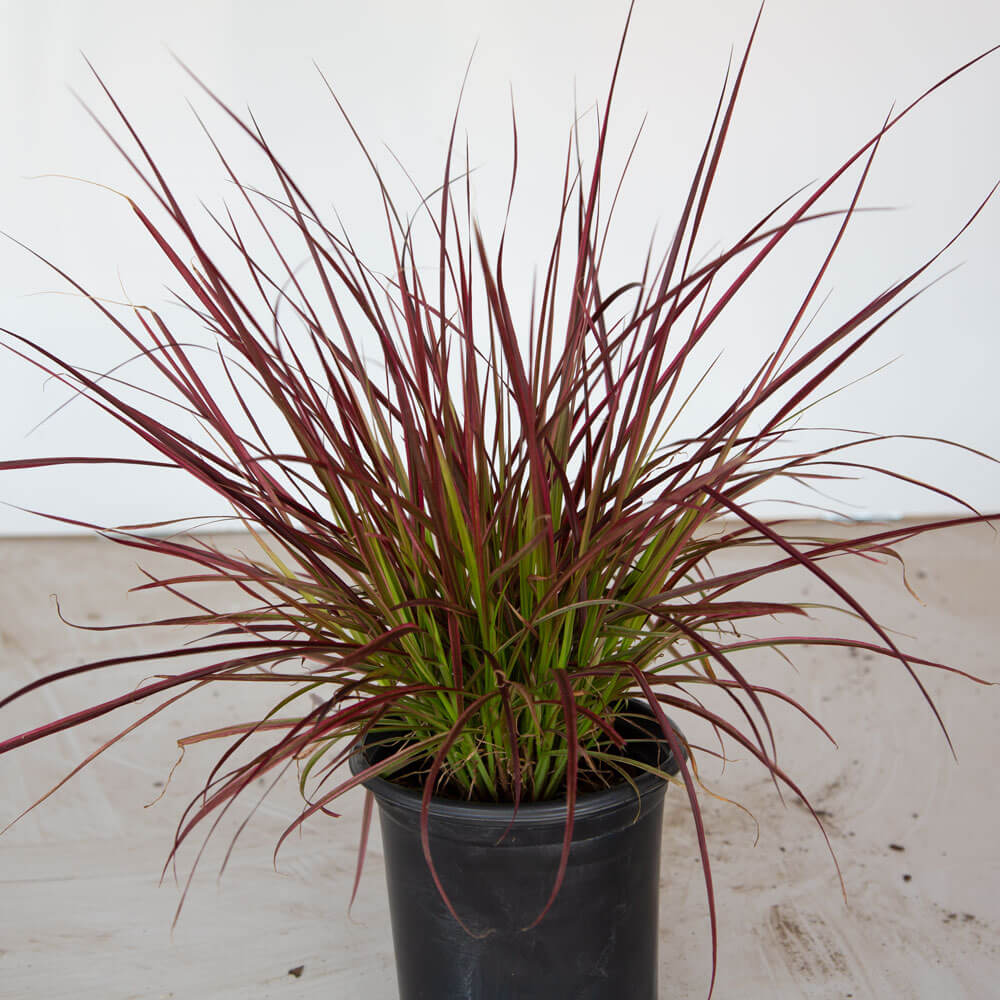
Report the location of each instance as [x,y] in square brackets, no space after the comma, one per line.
[599,938]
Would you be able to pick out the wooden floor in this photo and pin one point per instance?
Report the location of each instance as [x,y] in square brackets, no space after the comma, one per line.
[82,916]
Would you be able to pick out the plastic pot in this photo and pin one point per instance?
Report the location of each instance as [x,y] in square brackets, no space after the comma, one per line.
[598,940]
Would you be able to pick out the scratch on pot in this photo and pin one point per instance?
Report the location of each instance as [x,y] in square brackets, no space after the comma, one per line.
[601,964]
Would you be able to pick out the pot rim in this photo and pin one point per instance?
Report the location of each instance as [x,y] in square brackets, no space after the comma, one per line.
[544,813]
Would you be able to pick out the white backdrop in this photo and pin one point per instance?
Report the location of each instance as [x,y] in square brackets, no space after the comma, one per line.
[821,80]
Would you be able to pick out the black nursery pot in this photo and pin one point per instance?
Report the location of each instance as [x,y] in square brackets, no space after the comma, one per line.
[598,940]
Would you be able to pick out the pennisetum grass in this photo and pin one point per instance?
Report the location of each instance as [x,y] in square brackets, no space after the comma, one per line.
[489,539]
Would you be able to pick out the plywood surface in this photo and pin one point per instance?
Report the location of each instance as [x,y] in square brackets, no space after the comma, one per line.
[82,916]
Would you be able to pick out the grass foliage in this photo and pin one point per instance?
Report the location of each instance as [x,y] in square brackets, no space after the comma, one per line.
[490,536]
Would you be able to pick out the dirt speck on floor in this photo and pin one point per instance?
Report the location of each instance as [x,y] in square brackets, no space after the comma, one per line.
[807,944]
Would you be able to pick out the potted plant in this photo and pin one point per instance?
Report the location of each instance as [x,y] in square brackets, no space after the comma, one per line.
[484,584]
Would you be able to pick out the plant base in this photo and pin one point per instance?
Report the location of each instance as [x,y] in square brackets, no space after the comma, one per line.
[598,940]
